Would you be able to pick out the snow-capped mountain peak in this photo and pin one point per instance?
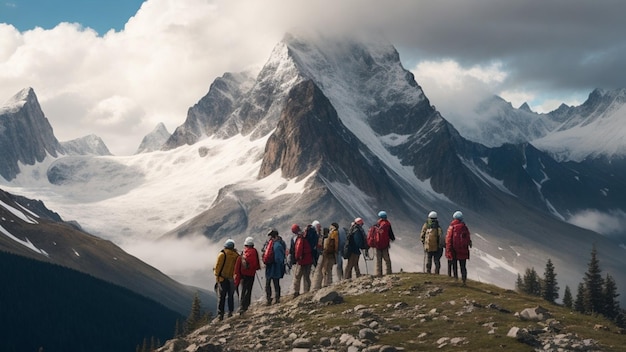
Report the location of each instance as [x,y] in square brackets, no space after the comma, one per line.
[154,140]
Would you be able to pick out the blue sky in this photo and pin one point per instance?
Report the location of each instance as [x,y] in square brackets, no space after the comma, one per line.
[164,54]
[100,15]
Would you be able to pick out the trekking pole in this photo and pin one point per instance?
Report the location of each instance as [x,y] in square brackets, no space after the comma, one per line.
[424,264]
[259,280]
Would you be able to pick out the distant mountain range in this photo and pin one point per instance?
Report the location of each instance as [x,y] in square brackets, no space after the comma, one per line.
[333,128]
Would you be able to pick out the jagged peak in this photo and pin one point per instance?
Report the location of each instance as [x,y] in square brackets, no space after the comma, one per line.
[154,140]
[525,107]
[19,100]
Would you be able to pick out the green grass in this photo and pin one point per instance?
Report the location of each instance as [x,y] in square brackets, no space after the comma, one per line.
[461,312]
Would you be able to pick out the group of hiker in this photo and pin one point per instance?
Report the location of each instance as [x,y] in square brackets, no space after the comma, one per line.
[313,252]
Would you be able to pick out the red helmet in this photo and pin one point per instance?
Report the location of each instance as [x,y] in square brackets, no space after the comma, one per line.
[295,228]
[359,221]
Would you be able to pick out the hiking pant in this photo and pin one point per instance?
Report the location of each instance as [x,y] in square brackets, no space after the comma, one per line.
[436,257]
[246,292]
[462,263]
[339,267]
[318,273]
[302,273]
[268,289]
[380,255]
[227,288]
[328,262]
[353,262]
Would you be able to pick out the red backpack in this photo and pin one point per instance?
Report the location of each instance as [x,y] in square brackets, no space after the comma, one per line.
[268,254]
[373,236]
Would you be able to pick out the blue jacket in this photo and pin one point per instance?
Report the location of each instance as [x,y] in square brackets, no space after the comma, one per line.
[276,270]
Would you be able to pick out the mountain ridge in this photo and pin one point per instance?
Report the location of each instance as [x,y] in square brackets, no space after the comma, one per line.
[386,133]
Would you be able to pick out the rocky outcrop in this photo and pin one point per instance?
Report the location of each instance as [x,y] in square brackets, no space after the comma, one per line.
[404,312]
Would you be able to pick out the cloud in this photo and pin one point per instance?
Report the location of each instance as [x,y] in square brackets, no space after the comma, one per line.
[611,223]
[187,260]
[170,52]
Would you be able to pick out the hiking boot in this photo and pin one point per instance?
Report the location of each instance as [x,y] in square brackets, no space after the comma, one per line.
[220,316]
[277,300]
[296,294]
[230,314]
[269,302]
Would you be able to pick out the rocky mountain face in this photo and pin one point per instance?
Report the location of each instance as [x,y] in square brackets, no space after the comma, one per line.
[345,115]
[209,114]
[88,145]
[154,140]
[25,134]
[342,116]
[404,312]
[28,228]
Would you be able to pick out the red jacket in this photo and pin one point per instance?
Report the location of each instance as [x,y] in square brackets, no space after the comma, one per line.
[247,264]
[385,234]
[458,241]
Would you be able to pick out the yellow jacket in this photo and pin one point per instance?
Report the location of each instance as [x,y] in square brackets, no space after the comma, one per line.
[225,266]
[331,244]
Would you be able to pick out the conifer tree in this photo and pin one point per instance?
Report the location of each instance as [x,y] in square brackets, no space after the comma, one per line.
[593,298]
[549,288]
[532,285]
[611,307]
[568,301]
[579,304]
[196,317]
[519,284]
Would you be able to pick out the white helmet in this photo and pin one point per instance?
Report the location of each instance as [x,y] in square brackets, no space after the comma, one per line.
[458,215]
[249,242]
[432,215]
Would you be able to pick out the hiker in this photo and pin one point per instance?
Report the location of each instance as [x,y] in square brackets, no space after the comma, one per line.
[385,236]
[274,259]
[329,254]
[355,235]
[303,256]
[433,242]
[245,269]
[458,243]
[224,271]
[317,245]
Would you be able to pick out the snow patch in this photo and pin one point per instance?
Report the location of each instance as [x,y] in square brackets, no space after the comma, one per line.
[26,243]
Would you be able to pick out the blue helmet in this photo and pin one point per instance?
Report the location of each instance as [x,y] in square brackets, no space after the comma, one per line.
[457,215]
[382,214]
[230,244]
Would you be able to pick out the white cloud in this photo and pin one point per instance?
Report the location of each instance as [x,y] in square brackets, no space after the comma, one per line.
[607,223]
[455,90]
[170,52]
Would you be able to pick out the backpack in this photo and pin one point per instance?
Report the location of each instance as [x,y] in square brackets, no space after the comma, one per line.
[373,235]
[268,254]
[431,239]
[359,238]
[345,252]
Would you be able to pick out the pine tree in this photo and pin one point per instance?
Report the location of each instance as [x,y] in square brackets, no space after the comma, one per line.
[196,317]
[519,284]
[593,298]
[579,304]
[549,288]
[611,307]
[532,285]
[567,298]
